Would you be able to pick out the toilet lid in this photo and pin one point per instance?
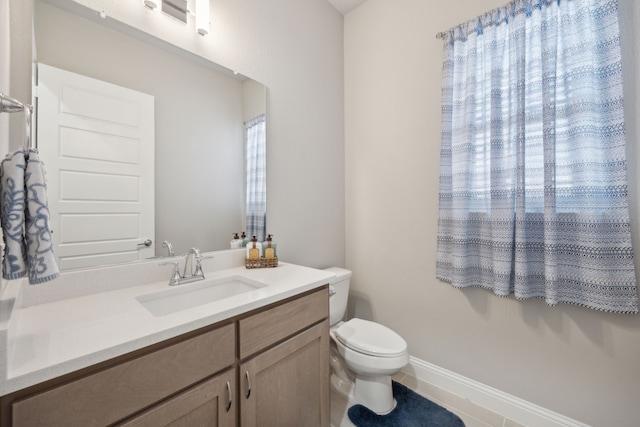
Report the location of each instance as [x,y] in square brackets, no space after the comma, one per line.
[371,338]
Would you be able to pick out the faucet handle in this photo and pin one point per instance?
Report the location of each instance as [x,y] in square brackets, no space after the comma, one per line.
[175,274]
[199,272]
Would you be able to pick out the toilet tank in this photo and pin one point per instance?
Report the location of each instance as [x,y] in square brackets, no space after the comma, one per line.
[338,300]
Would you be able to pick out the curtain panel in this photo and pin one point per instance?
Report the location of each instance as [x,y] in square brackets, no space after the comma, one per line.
[533,184]
[256,172]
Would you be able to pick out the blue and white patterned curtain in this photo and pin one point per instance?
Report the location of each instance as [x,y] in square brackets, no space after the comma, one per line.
[255,134]
[533,185]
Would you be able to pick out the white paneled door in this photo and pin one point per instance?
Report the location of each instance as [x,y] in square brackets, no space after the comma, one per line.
[96,140]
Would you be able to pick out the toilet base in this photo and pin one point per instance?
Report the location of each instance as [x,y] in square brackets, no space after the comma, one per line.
[375,393]
[372,394]
[372,391]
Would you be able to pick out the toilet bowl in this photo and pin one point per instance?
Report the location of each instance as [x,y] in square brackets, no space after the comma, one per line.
[370,352]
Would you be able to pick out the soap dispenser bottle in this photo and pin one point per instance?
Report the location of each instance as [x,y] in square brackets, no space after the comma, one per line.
[269,247]
[236,243]
[254,249]
[245,240]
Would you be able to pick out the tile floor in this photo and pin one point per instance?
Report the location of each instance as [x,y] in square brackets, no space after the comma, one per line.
[472,415]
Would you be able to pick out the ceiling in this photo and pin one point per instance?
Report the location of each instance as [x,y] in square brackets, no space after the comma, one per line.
[345,6]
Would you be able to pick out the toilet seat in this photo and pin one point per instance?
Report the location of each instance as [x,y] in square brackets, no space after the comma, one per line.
[370,338]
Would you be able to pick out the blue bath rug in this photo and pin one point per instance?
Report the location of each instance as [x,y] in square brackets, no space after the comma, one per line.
[412,410]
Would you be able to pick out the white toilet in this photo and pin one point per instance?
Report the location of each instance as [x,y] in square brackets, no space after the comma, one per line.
[371,352]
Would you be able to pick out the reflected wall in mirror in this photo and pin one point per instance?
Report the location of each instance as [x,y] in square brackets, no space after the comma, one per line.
[200,110]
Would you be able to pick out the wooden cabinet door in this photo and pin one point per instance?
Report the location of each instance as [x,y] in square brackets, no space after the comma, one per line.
[288,385]
[209,404]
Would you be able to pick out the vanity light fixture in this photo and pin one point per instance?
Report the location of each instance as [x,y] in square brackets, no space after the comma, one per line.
[151,4]
[176,9]
[202,17]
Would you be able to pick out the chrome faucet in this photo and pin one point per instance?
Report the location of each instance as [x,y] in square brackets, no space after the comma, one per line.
[194,273]
[193,253]
[167,244]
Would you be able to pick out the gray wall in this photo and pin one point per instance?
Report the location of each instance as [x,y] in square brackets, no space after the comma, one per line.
[575,361]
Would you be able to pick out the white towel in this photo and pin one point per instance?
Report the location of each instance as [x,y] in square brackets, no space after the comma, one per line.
[41,261]
[24,216]
[12,210]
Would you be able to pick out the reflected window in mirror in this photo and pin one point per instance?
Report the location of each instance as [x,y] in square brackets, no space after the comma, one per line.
[256,167]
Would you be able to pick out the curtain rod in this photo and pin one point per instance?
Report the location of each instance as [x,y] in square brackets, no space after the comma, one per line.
[514,12]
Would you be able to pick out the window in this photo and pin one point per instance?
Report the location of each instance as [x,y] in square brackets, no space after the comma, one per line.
[533,190]
[256,169]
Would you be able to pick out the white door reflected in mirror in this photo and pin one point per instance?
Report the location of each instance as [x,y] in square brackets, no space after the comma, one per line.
[97,141]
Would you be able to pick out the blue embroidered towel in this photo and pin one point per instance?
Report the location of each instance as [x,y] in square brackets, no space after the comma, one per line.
[12,211]
[24,217]
[41,261]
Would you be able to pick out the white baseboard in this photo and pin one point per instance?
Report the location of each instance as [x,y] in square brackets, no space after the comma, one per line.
[511,407]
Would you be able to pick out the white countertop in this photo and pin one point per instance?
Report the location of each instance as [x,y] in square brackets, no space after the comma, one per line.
[49,339]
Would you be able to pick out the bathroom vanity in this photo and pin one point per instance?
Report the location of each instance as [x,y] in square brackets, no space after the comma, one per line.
[257,358]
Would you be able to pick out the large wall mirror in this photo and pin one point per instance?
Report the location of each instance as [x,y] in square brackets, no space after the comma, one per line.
[200,111]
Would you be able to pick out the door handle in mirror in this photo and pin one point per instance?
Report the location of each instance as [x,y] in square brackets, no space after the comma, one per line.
[146,243]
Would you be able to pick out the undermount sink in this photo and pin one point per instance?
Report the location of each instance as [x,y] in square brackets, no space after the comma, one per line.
[192,295]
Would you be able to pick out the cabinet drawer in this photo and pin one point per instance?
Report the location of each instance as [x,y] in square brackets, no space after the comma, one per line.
[119,391]
[270,326]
